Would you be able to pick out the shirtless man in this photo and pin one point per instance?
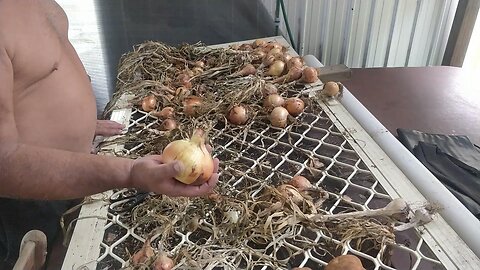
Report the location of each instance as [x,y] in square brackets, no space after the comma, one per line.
[47,124]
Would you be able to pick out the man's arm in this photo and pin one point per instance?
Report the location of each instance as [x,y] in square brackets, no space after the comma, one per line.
[42,173]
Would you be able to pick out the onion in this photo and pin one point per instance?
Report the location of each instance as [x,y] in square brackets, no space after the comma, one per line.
[268,60]
[149,103]
[331,89]
[300,182]
[163,262]
[235,47]
[290,192]
[165,113]
[293,74]
[309,75]
[345,262]
[237,115]
[182,91]
[191,105]
[259,43]
[276,69]
[272,101]
[183,79]
[277,52]
[168,124]
[245,47]
[278,117]
[272,45]
[269,89]
[286,57]
[197,71]
[258,56]
[145,253]
[295,62]
[199,64]
[294,106]
[197,161]
[248,69]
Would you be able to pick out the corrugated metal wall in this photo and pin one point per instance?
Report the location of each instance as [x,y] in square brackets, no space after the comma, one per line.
[370,33]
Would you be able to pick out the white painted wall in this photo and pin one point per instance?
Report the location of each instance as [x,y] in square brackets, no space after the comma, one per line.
[370,33]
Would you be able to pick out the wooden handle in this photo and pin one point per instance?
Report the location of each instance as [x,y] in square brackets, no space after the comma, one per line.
[337,73]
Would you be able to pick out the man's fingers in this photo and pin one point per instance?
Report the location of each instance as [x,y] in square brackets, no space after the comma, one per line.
[216,163]
[195,191]
[169,170]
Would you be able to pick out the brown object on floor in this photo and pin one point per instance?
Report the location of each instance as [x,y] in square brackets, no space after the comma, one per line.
[345,262]
[438,99]
[33,251]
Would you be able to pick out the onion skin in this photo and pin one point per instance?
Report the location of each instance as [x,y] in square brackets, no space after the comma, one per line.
[149,103]
[290,192]
[294,106]
[279,117]
[309,75]
[295,62]
[248,69]
[273,101]
[144,254]
[197,161]
[269,89]
[238,115]
[168,124]
[345,262]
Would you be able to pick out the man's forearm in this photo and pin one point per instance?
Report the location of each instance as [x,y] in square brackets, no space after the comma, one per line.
[42,173]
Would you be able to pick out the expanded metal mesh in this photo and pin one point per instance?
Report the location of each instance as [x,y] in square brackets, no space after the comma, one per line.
[313,147]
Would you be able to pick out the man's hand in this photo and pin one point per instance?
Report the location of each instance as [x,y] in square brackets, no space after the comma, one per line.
[108,128]
[151,174]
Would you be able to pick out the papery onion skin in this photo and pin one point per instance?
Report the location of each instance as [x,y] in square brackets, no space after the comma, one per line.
[238,115]
[300,182]
[196,160]
[294,106]
[279,117]
[149,103]
[272,101]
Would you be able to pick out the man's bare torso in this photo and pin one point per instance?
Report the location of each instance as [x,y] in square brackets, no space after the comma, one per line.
[53,101]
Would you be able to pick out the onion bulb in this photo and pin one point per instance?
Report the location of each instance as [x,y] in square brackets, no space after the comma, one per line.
[191,105]
[272,101]
[278,117]
[300,182]
[295,62]
[182,91]
[268,60]
[199,64]
[168,124]
[294,106]
[248,69]
[309,75]
[149,103]
[258,55]
[290,192]
[259,43]
[183,79]
[163,262]
[277,52]
[197,161]
[272,45]
[276,68]
[237,115]
[245,47]
[293,74]
[144,254]
[165,113]
[331,89]
[269,89]
[345,262]
[286,57]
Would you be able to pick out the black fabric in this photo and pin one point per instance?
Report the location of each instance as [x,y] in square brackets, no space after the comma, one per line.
[17,217]
[454,160]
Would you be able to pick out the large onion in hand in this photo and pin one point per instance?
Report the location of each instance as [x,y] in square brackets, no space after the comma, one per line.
[197,161]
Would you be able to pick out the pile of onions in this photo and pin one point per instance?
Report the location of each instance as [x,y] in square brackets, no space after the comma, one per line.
[294,106]
[197,161]
[273,101]
[191,105]
[278,117]
[238,115]
[149,103]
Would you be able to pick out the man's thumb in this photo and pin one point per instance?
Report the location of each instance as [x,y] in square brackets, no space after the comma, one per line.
[173,169]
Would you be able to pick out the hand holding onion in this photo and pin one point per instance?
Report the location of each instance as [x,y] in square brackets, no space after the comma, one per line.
[157,174]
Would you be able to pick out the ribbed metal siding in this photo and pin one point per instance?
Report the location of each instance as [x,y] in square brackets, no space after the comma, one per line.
[370,33]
